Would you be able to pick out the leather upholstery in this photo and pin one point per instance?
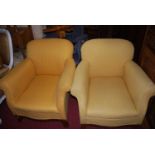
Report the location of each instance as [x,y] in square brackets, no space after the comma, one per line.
[37,87]
[111,89]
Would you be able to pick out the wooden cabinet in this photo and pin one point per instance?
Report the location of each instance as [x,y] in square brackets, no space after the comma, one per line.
[147,58]
[134,33]
[147,62]
[20,36]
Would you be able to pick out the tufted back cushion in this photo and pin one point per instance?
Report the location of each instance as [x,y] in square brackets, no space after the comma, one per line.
[106,57]
[49,55]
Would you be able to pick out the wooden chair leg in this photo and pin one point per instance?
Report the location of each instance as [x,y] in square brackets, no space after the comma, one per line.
[65,124]
[83,126]
[20,118]
[145,124]
[0,121]
[150,115]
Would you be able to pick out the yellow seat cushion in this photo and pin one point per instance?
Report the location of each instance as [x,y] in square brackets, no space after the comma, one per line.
[40,96]
[109,98]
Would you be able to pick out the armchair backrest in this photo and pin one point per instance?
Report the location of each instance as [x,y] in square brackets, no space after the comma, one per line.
[49,55]
[106,57]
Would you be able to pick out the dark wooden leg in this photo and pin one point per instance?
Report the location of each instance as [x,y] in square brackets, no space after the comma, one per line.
[150,115]
[20,118]
[83,126]
[0,121]
[65,124]
[145,124]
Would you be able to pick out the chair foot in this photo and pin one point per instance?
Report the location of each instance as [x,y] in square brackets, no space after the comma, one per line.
[145,124]
[83,126]
[65,124]
[20,118]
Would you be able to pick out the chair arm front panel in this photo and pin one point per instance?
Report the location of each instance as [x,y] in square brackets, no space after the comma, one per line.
[17,80]
[80,87]
[140,87]
[64,84]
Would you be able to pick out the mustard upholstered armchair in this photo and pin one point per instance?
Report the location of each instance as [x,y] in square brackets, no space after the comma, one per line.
[37,87]
[110,88]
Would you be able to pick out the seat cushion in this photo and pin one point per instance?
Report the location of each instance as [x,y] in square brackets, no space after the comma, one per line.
[109,98]
[40,96]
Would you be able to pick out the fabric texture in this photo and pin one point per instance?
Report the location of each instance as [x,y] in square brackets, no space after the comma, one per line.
[37,88]
[49,55]
[80,87]
[106,57]
[110,88]
[112,97]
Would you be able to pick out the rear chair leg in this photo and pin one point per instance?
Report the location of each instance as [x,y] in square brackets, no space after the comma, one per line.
[20,118]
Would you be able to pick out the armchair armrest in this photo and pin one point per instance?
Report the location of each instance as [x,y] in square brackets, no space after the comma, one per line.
[140,87]
[64,84]
[16,81]
[80,87]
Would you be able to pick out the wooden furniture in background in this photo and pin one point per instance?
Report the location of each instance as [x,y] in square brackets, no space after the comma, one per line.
[134,33]
[147,62]
[20,36]
[147,57]
[59,29]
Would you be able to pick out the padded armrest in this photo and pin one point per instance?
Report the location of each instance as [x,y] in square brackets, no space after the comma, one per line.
[16,81]
[140,86]
[80,87]
[65,83]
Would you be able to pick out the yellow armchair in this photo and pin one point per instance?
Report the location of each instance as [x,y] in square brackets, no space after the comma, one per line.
[80,88]
[37,87]
[110,88]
